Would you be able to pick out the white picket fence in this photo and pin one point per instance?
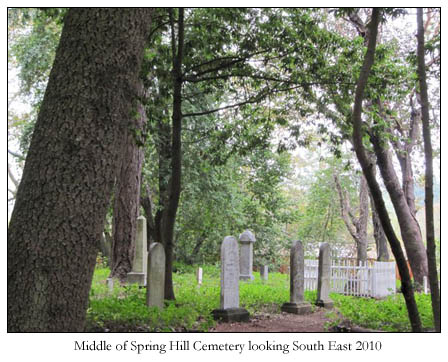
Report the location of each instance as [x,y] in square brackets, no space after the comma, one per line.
[371,279]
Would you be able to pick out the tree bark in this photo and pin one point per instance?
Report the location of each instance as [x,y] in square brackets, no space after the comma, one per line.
[403,152]
[429,207]
[410,230]
[357,226]
[147,204]
[127,198]
[174,187]
[56,225]
[382,252]
[367,168]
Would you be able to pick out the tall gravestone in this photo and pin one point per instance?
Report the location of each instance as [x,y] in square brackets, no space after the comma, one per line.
[230,310]
[247,240]
[155,291]
[324,277]
[297,304]
[139,265]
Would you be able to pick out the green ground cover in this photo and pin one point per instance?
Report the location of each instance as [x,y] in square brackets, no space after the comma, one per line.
[124,309]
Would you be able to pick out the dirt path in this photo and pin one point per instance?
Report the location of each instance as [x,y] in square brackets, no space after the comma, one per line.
[284,322]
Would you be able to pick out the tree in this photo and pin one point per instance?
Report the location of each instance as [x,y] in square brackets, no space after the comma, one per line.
[356,225]
[367,167]
[429,207]
[127,197]
[385,88]
[61,204]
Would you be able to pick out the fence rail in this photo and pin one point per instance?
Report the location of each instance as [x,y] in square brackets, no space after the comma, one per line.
[370,279]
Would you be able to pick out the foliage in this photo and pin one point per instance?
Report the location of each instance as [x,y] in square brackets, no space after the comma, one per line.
[388,315]
[124,308]
[33,36]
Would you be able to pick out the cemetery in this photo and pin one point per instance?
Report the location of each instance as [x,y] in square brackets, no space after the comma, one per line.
[317,295]
[224,169]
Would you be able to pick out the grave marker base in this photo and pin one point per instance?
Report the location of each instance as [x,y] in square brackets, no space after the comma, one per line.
[231,315]
[136,278]
[296,308]
[327,304]
[247,277]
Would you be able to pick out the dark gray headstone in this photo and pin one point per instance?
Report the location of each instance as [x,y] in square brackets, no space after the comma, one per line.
[324,277]
[247,239]
[297,304]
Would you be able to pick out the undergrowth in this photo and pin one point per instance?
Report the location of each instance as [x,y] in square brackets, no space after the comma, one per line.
[123,309]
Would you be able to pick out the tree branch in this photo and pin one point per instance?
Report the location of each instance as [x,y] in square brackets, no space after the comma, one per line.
[11,176]
[17,155]
[346,213]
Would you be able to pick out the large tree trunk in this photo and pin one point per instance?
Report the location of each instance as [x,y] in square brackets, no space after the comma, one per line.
[61,204]
[127,199]
[429,207]
[367,168]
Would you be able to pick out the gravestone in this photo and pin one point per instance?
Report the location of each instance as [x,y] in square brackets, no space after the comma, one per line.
[230,310]
[297,304]
[324,277]
[247,240]
[110,284]
[264,270]
[199,276]
[155,291]
[139,265]
[105,246]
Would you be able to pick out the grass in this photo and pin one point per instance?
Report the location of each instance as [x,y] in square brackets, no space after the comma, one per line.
[124,309]
[389,314]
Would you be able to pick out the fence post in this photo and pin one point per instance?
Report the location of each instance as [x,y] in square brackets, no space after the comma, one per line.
[373,277]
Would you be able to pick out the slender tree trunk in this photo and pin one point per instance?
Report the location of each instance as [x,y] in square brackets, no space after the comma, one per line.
[367,168]
[410,230]
[403,152]
[127,198]
[61,204]
[408,182]
[147,204]
[429,207]
[165,155]
[382,252]
[357,226]
[169,212]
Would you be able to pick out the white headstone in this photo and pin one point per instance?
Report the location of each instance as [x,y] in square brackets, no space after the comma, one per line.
[199,276]
[139,264]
